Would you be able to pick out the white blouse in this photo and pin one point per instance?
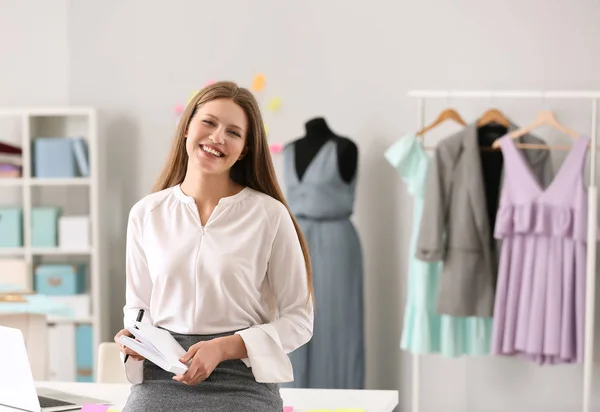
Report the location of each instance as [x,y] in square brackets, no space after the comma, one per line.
[242,271]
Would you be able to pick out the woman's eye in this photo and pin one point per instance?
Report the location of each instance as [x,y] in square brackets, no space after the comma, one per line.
[234,133]
[208,122]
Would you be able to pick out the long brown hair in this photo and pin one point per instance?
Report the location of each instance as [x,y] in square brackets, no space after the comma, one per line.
[254,170]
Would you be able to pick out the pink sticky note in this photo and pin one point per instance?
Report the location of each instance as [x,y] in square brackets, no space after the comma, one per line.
[179,109]
[209,83]
[275,148]
[94,408]
[288,409]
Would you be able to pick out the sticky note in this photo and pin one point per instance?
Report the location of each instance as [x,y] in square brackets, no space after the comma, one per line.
[179,109]
[113,410]
[275,148]
[89,407]
[288,409]
[348,410]
[266,129]
[192,95]
[274,104]
[258,83]
[208,83]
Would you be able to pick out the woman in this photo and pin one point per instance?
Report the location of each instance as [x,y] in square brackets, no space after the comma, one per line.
[215,257]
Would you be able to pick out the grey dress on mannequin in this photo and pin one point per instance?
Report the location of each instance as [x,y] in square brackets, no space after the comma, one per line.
[322,202]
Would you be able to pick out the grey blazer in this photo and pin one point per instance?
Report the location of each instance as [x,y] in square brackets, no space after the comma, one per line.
[455,226]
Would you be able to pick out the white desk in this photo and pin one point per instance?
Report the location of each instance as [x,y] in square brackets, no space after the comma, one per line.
[300,399]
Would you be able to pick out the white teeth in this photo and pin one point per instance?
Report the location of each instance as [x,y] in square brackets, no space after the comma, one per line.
[211,151]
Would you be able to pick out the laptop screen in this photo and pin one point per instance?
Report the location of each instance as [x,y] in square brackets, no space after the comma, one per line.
[17,388]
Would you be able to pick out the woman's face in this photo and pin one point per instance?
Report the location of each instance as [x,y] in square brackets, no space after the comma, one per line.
[216,136]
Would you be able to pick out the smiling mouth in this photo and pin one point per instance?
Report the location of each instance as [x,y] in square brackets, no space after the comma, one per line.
[211,151]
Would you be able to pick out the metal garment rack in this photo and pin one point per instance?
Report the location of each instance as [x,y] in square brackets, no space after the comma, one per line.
[592,96]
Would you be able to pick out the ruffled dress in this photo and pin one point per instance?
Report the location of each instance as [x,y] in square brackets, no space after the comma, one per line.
[540,295]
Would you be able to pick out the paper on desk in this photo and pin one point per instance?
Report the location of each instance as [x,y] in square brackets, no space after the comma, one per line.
[94,408]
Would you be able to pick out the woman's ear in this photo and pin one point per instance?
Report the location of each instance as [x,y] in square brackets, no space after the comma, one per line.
[243,154]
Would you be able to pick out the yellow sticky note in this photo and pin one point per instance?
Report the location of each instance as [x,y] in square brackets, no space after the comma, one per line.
[274,104]
[266,129]
[192,95]
[348,410]
[258,83]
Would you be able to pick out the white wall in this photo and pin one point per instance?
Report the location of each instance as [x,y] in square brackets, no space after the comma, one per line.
[34,57]
[352,63]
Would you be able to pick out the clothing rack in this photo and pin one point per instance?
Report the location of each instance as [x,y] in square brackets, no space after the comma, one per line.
[593,96]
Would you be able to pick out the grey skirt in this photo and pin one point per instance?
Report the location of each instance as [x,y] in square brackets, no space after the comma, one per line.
[231,387]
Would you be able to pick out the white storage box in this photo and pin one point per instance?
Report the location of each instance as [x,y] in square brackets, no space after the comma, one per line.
[15,276]
[61,352]
[79,303]
[74,232]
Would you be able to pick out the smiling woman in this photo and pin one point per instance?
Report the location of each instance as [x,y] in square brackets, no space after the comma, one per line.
[215,257]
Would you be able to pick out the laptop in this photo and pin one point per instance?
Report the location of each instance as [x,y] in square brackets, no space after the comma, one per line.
[17,387]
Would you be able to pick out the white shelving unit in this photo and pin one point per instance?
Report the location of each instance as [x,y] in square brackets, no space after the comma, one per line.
[32,123]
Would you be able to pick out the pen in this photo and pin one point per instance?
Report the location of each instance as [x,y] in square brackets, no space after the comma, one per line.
[138,319]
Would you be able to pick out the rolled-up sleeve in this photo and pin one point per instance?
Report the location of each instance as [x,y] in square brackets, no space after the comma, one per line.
[430,241]
[138,287]
[268,344]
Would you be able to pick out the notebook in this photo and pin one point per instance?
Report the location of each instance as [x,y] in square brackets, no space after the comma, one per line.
[157,345]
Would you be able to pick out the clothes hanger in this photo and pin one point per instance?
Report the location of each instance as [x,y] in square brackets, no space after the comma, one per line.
[543,117]
[493,116]
[447,114]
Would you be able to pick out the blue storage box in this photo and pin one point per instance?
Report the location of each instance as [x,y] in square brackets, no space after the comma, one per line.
[53,157]
[84,353]
[44,226]
[56,279]
[11,227]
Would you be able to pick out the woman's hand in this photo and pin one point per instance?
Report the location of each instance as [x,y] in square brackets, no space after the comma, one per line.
[125,349]
[205,356]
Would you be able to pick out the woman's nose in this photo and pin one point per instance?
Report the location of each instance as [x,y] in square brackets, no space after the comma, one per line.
[217,136]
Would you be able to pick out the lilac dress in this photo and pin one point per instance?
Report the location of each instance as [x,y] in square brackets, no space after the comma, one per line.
[540,294]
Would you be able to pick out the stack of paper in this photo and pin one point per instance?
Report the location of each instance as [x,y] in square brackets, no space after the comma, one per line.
[157,345]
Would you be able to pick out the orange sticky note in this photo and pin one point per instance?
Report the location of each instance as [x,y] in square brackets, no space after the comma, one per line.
[274,104]
[258,83]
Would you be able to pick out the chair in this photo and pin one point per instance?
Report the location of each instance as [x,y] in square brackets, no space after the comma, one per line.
[110,367]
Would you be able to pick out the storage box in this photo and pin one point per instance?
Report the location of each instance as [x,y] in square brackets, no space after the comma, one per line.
[61,352]
[53,157]
[55,279]
[84,349]
[44,226]
[80,304]
[11,227]
[15,275]
[74,232]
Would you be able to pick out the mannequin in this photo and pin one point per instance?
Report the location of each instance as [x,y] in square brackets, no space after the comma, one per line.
[317,133]
[321,174]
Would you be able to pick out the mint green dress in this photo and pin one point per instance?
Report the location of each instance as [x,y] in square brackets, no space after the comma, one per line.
[425,331]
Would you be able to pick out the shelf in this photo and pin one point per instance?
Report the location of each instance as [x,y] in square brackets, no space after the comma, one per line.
[11,181]
[73,181]
[37,251]
[62,320]
[58,251]
[7,251]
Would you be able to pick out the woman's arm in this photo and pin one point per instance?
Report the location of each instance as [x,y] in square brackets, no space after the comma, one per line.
[138,287]
[267,345]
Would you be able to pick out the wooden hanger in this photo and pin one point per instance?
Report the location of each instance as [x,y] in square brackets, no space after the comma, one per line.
[493,116]
[543,117]
[447,114]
